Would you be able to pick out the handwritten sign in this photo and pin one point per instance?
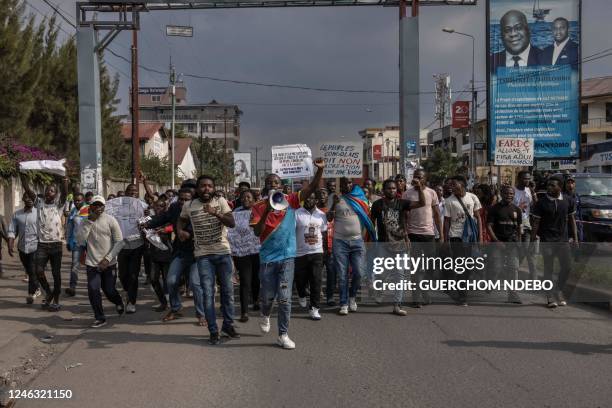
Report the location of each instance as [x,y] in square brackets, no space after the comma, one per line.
[292,161]
[342,159]
[127,211]
[513,152]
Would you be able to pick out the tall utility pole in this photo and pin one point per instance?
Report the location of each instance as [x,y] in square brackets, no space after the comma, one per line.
[409,81]
[474,98]
[173,84]
[135,111]
[257,149]
[201,149]
[225,158]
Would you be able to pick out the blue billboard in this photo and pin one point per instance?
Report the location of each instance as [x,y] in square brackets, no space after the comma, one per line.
[534,74]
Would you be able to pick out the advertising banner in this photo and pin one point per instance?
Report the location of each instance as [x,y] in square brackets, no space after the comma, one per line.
[242,168]
[377,149]
[461,115]
[292,161]
[513,152]
[533,63]
[342,159]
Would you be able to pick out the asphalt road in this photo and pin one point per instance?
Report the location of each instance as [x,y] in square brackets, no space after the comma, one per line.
[485,355]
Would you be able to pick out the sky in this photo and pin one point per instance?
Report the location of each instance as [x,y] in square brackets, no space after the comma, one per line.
[333,47]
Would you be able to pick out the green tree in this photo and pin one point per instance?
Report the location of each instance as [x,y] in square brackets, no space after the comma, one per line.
[21,49]
[441,165]
[210,159]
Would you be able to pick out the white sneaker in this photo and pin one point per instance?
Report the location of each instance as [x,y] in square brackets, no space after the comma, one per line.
[285,342]
[343,310]
[130,308]
[264,324]
[314,314]
[303,302]
[352,304]
[37,293]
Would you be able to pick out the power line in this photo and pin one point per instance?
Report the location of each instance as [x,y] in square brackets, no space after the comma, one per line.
[56,9]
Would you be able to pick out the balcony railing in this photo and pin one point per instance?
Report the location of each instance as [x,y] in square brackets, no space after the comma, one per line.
[597,123]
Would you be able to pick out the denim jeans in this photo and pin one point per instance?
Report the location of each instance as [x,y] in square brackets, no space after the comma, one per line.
[210,266]
[277,282]
[525,252]
[105,280]
[330,278]
[75,266]
[49,252]
[28,260]
[349,253]
[159,276]
[182,263]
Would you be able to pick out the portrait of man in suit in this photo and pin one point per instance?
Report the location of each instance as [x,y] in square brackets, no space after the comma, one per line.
[563,50]
[516,36]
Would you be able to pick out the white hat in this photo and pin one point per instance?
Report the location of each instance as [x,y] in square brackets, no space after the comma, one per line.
[98,199]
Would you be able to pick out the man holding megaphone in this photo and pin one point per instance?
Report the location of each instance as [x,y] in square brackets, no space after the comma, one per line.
[273,221]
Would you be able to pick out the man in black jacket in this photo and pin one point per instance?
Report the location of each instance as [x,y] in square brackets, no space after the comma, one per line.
[182,257]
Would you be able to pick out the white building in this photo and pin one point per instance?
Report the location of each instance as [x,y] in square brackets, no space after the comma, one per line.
[381,153]
[596,119]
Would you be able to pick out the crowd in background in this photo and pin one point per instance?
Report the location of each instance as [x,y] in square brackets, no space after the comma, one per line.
[196,242]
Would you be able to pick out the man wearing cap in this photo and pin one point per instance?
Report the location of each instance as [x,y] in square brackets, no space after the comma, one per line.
[275,226]
[101,235]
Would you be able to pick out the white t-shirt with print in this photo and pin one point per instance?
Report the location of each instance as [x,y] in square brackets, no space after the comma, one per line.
[308,231]
[453,209]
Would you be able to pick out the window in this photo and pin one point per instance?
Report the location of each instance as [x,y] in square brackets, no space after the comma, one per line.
[584,138]
[205,129]
[192,128]
[608,135]
[608,111]
[213,128]
[584,114]
[155,98]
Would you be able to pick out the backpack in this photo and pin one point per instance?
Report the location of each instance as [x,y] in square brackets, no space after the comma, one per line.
[470,229]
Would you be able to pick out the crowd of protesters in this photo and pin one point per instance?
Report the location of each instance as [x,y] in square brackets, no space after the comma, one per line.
[203,243]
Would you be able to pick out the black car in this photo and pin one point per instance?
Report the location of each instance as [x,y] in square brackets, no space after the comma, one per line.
[593,206]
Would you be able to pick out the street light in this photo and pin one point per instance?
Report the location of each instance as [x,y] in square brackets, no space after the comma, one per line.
[450,30]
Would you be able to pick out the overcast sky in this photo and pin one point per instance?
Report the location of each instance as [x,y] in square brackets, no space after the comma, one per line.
[337,47]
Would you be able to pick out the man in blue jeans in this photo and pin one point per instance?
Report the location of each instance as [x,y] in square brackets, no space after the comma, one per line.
[276,230]
[183,262]
[351,215]
[210,217]
[73,223]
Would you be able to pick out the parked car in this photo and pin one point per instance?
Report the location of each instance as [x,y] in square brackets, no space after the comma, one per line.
[593,206]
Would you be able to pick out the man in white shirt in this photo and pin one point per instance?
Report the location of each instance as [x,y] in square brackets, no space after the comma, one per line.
[101,235]
[50,233]
[525,198]
[457,208]
[311,237]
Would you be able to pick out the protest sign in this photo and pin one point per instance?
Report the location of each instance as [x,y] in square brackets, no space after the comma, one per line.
[513,152]
[342,159]
[127,211]
[292,161]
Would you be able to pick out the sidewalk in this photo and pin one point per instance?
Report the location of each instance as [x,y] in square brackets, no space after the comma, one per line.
[32,337]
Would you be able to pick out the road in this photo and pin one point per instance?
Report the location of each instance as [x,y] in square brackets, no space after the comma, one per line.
[488,354]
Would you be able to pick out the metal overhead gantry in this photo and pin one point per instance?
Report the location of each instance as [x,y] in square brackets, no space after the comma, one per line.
[114,16]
